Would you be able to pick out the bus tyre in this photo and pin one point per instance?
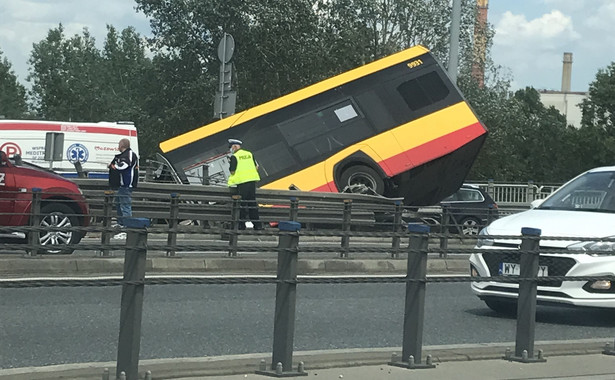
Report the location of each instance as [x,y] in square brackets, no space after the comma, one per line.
[58,215]
[361,179]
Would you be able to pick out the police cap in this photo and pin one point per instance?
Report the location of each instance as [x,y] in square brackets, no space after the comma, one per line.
[232,142]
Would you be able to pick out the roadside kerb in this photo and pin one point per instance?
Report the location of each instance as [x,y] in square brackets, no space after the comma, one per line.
[83,266]
[320,359]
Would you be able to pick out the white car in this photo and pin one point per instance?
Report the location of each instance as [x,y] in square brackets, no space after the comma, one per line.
[582,208]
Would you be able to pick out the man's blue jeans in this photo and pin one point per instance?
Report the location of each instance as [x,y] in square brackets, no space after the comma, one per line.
[123,201]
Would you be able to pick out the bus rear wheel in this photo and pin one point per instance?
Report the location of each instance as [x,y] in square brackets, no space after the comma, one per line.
[361,179]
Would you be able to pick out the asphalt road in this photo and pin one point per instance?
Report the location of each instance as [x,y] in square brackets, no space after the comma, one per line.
[43,326]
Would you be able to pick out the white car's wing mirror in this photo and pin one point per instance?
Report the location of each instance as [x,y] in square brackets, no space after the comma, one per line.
[536,202]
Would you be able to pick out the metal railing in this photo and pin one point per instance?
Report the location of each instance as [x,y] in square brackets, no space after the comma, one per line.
[287,280]
[508,195]
[212,210]
[516,194]
[344,215]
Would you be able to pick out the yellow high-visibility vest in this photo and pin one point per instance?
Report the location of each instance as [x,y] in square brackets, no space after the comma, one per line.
[246,169]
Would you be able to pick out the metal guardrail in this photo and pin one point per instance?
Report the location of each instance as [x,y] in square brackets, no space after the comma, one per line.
[505,194]
[211,209]
[286,280]
[516,195]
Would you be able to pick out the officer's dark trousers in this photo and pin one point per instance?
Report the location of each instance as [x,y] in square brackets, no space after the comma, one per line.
[249,207]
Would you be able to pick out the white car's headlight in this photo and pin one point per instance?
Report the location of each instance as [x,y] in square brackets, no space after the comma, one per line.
[594,248]
[483,239]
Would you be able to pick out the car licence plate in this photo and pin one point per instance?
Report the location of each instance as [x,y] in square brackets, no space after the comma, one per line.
[514,269]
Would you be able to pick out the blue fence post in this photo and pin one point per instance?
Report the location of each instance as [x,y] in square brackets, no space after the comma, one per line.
[129,342]
[414,312]
[285,301]
[526,304]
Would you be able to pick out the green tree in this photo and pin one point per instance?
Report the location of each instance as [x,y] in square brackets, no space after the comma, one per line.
[597,133]
[13,103]
[65,77]
[129,90]
[493,105]
[127,73]
[545,144]
[599,107]
[284,46]
[526,141]
[74,80]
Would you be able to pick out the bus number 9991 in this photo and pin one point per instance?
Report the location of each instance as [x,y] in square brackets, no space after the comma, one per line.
[415,63]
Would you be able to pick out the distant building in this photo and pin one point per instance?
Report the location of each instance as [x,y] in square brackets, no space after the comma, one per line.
[567,102]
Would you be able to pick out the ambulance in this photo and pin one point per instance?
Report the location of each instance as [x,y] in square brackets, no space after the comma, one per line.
[71,149]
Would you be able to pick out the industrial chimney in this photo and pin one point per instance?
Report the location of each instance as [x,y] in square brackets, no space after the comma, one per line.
[567,72]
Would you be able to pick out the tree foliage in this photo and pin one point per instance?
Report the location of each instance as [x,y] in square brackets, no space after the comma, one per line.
[74,80]
[12,94]
[526,140]
[284,46]
[597,135]
[166,84]
[65,76]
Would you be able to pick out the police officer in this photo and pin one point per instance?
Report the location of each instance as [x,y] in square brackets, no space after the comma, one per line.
[244,175]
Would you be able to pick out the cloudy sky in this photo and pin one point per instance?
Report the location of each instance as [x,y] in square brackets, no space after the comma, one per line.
[531,35]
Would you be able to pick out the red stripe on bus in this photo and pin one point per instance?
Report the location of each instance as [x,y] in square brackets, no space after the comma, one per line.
[423,153]
[327,188]
[66,128]
[431,150]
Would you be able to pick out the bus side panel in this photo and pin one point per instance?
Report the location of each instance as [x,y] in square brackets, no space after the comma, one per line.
[434,136]
[320,177]
[425,184]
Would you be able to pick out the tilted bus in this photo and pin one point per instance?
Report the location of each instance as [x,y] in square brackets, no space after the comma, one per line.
[59,145]
[397,126]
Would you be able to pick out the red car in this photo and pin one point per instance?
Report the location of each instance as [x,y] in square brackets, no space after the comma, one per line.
[63,204]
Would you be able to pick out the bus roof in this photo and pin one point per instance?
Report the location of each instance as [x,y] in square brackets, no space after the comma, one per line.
[294,97]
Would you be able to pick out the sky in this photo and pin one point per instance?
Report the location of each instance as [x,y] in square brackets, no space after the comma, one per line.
[531,35]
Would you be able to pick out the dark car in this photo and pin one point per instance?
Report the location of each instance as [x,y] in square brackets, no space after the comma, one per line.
[469,209]
[62,204]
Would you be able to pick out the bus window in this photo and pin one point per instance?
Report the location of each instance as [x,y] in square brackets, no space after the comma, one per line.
[318,134]
[274,158]
[375,110]
[345,113]
[423,91]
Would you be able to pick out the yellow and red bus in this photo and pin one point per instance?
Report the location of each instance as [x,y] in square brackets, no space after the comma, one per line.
[397,126]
